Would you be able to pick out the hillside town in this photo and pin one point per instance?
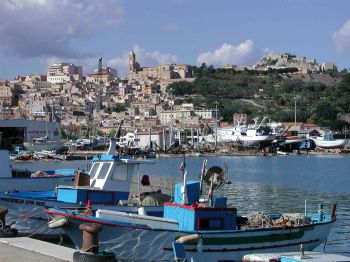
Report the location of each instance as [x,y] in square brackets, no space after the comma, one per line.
[84,106]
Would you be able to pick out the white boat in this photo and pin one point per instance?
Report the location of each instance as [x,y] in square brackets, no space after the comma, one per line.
[16,180]
[248,136]
[210,231]
[328,141]
[128,140]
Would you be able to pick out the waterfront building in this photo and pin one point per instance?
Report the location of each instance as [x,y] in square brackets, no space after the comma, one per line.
[18,131]
[185,112]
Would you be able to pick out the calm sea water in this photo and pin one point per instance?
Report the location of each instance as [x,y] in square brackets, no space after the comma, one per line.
[280,184]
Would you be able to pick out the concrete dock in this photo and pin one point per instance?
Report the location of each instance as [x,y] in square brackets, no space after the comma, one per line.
[25,249]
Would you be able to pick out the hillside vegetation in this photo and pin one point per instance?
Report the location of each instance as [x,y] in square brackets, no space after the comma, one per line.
[272,93]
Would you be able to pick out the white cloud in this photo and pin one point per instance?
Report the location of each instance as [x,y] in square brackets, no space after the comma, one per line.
[43,28]
[143,57]
[341,38]
[243,54]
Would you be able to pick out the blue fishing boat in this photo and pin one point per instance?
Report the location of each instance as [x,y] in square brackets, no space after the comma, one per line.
[106,186]
[208,228]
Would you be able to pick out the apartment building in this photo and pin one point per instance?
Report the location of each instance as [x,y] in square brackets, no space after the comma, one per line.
[63,72]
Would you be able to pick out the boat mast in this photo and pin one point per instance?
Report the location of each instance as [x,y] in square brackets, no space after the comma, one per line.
[216,125]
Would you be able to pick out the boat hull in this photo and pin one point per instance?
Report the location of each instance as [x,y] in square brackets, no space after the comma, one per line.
[330,144]
[133,241]
[30,218]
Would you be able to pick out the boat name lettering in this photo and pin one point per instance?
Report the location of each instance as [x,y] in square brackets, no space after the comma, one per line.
[21,201]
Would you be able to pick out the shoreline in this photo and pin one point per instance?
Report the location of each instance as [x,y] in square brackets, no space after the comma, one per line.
[88,155]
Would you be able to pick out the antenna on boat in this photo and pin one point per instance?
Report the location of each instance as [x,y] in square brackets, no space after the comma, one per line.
[112,141]
[204,167]
[184,173]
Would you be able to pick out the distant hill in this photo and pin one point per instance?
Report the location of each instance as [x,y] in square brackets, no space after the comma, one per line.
[320,98]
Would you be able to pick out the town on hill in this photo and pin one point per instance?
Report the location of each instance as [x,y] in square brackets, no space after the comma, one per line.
[284,87]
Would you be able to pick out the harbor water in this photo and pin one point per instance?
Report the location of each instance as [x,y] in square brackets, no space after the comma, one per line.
[268,184]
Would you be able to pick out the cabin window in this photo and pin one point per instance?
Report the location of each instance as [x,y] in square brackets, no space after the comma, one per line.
[120,172]
[210,223]
[104,170]
[93,170]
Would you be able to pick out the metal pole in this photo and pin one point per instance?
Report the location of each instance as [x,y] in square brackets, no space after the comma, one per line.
[216,125]
[171,116]
[295,111]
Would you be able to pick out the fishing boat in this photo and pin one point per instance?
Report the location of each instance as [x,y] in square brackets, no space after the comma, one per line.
[106,186]
[250,135]
[328,141]
[14,180]
[208,228]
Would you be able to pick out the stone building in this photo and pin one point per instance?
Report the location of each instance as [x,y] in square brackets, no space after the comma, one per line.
[6,95]
[102,75]
[164,72]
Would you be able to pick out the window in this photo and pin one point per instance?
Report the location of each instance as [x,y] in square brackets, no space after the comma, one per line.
[104,170]
[93,170]
[120,172]
[210,223]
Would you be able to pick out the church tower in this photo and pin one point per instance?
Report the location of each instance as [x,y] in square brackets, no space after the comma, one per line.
[132,65]
[132,61]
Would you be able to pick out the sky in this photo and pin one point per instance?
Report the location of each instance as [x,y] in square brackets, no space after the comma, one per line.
[37,33]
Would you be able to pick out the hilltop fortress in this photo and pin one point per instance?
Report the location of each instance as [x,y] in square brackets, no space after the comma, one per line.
[286,60]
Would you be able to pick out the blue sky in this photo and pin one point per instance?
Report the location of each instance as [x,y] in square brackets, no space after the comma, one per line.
[37,33]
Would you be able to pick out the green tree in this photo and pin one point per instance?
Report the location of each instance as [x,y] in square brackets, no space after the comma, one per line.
[118,107]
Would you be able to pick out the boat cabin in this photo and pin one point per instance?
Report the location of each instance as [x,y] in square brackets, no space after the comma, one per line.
[109,181]
[194,216]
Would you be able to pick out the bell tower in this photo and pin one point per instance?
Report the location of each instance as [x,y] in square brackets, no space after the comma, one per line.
[132,65]
[132,62]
